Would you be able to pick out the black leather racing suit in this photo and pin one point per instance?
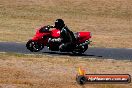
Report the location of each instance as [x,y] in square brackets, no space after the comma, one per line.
[68,38]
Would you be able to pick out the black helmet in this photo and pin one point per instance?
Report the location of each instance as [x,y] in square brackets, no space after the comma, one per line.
[59,24]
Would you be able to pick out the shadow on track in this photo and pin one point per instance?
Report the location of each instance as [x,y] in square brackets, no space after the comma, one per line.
[71,54]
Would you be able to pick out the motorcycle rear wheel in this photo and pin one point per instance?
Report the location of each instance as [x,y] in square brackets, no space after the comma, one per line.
[80,50]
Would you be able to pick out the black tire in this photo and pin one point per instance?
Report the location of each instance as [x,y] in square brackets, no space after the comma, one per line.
[81,79]
[80,50]
[34,46]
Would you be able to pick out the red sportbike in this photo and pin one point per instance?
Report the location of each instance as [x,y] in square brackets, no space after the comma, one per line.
[41,38]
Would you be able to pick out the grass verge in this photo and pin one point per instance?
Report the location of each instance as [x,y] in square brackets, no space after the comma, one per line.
[42,71]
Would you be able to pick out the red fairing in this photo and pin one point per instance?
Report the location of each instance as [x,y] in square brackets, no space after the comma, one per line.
[55,33]
[38,35]
[83,36]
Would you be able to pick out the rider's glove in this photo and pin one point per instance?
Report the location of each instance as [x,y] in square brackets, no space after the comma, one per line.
[50,26]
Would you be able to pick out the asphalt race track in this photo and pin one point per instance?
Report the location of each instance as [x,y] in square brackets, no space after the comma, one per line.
[102,53]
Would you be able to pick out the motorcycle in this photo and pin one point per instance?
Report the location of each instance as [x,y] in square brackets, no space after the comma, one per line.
[42,36]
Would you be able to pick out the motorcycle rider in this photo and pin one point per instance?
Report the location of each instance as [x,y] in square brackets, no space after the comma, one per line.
[66,36]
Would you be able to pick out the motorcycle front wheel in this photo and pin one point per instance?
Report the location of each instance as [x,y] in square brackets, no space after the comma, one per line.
[34,46]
